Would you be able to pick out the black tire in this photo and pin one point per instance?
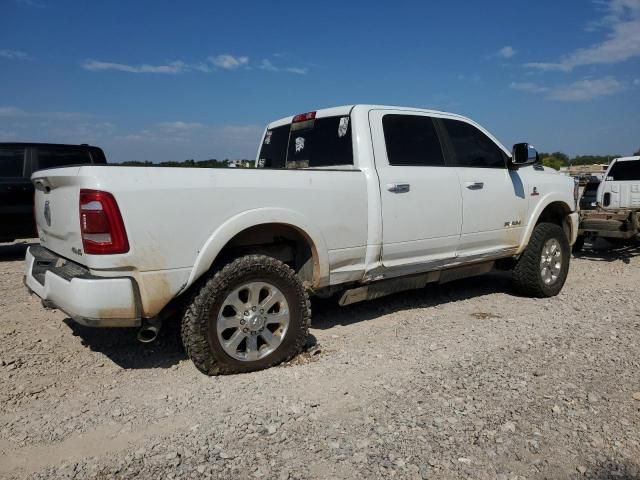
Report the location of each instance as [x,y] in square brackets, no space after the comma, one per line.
[578,245]
[198,330]
[527,273]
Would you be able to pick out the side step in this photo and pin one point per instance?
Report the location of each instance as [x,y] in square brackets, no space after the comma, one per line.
[383,288]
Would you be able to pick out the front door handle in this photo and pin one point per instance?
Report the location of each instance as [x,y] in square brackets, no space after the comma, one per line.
[475,185]
[398,187]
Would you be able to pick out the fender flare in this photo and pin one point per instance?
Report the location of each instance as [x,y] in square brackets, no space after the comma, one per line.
[262,216]
[548,199]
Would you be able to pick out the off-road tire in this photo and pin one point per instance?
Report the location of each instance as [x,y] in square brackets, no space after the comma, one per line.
[198,328]
[527,275]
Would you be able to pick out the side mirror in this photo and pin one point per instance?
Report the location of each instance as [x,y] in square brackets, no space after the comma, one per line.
[524,154]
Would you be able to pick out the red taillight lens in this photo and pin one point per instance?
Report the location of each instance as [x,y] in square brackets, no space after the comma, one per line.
[101,224]
[303,117]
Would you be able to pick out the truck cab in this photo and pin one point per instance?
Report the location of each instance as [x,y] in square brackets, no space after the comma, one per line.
[621,185]
[18,161]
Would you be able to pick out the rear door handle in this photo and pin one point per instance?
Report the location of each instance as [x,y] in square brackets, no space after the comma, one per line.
[475,185]
[398,187]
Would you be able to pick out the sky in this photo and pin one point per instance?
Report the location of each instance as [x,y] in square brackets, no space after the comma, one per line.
[165,80]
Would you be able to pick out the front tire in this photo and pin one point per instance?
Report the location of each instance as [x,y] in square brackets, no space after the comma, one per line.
[542,269]
[251,315]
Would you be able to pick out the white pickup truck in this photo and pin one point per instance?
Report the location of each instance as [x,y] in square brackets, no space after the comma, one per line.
[617,213]
[363,200]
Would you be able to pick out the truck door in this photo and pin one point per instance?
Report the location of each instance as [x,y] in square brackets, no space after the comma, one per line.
[494,202]
[420,194]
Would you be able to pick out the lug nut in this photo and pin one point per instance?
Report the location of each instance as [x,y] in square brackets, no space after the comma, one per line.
[245,330]
[262,310]
[246,314]
[254,309]
[242,322]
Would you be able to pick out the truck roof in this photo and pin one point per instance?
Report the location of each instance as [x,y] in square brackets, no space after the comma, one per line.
[346,110]
[43,144]
[626,159]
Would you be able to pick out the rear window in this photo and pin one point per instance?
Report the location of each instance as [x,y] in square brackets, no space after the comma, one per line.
[11,162]
[625,171]
[59,157]
[323,142]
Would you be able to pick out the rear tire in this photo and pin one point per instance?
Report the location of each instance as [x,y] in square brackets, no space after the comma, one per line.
[251,315]
[543,267]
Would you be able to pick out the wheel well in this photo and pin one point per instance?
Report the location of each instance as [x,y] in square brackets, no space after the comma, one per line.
[283,242]
[556,212]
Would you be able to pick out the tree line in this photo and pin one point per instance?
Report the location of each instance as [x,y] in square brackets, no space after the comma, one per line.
[559,159]
[211,163]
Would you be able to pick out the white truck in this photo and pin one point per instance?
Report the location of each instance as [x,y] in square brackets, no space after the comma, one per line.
[363,200]
[617,214]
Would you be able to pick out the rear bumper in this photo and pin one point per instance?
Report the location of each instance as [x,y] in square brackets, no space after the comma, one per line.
[89,300]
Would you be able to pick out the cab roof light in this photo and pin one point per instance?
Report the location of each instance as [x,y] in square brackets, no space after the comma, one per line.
[303,117]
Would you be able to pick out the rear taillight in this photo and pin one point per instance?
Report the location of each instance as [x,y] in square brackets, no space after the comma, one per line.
[101,224]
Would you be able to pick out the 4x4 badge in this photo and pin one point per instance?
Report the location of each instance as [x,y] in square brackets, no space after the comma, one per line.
[47,213]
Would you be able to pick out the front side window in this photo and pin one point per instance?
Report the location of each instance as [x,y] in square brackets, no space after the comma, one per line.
[472,148]
[60,157]
[412,140]
[625,171]
[321,142]
[11,162]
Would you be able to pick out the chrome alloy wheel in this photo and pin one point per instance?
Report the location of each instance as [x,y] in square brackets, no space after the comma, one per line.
[253,321]
[551,261]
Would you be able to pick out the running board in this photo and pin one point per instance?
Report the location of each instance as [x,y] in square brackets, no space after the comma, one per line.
[383,288]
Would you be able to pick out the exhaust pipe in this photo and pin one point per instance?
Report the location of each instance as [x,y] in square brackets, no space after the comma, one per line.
[149,330]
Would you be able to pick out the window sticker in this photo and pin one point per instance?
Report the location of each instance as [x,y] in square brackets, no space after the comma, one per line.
[343,126]
[261,163]
[299,144]
[267,137]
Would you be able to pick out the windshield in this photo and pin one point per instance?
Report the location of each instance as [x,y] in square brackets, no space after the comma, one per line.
[322,142]
[625,171]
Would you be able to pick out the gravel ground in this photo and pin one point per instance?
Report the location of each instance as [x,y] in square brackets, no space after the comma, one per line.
[464,380]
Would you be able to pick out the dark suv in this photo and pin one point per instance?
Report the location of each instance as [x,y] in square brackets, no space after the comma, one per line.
[17,162]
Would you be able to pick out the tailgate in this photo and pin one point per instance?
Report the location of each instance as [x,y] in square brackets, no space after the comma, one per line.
[56,210]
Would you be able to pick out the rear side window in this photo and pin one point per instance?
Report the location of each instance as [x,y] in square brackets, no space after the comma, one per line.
[323,142]
[472,148]
[11,162]
[412,140]
[59,157]
[625,171]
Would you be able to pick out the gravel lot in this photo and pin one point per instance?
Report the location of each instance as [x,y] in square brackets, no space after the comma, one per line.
[464,380]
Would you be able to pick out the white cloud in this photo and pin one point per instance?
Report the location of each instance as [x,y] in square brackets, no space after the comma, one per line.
[587,89]
[225,62]
[229,62]
[266,64]
[529,87]
[14,54]
[179,126]
[622,19]
[14,112]
[170,68]
[297,70]
[506,52]
[7,135]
